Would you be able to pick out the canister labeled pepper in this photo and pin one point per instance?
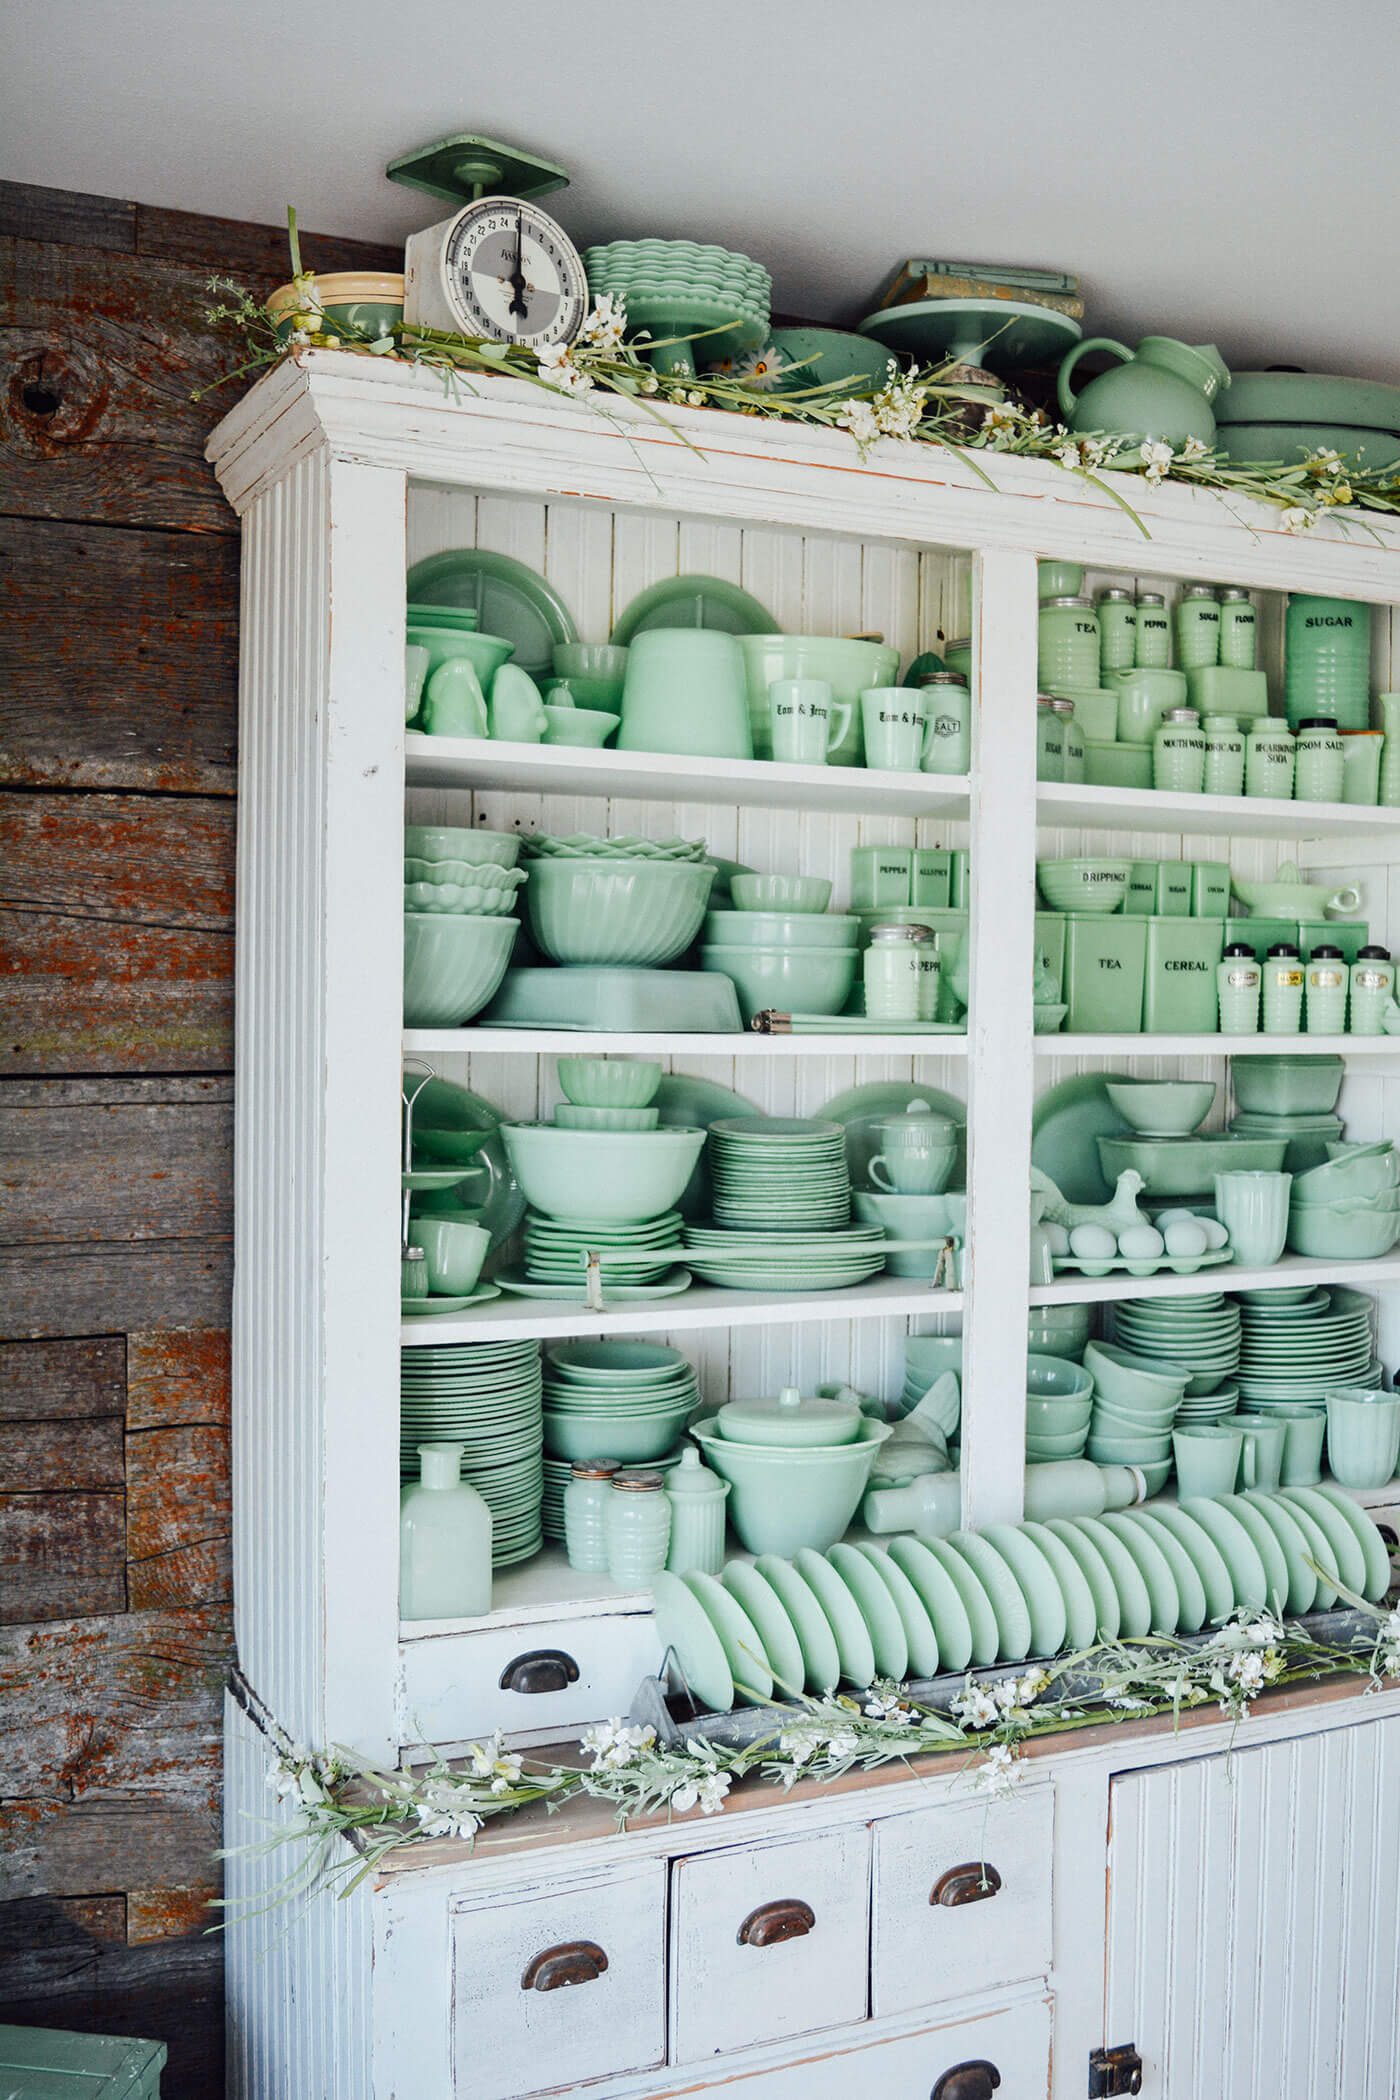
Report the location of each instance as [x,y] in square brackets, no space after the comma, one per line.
[1154,632]
[585,1514]
[1239,624]
[1179,753]
[1325,991]
[1068,642]
[1197,627]
[1071,739]
[1117,631]
[891,968]
[1240,981]
[1372,989]
[1268,760]
[1283,989]
[880,875]
[1224,768]
[1049,739]
[1318,761]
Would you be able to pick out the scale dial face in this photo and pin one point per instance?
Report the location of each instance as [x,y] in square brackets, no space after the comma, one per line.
[513,275]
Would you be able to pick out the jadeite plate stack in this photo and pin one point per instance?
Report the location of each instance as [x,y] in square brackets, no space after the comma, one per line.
[1298,1345]
[779,1171]
[487,1397]
[624,1400]
[686,288]
[1199,1334]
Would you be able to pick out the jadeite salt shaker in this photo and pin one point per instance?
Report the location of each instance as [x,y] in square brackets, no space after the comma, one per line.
[1241,982]
[1283,990]
[890,971]
[444,1541]
[1068,642]
[1197,627]
[1117,631]
[1325,991]
[585,1514]
[1224,768]
[1154,632]
[1372,989]
[413,1273]
[1239,629]
[1179,753]
[949,745]
[1049,739]
[697,1497]
[638,1528]
[1318,761]
[1268,759]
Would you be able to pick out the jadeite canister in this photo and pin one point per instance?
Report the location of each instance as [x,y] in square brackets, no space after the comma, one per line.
[586,1513]
[1224,767]
[1050,942]
[1105,956]
[1071,737]
[1283,990]
[1239,629]
[1372,989]
[1154,632]
[1174,889]
[638,1530]
[1210,889]
[932,877]
[1361,766]
[697,1498]
[1325,991]
[1240,982]
[1268,760]
[1179,994]
[1068,643]
[1318,761]
[1179,753]
[1141,898]
[1327,660]
[1049,739]
[890,971]
[1197,627]
[880,875]
[1117,631]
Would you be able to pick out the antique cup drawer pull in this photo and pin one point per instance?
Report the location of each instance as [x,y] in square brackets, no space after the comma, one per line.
[542,1670]
[972,1883]
[786,1919]
[576,1961]
[970,2081]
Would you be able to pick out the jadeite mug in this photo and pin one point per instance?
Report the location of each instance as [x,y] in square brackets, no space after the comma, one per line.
[685,692]
[895,723]
[916,1153]
[805,722]
[1207,1459]
[1363,1436]
[1261,1455]
[1253,1208]
[1304,1430]
[454,1254]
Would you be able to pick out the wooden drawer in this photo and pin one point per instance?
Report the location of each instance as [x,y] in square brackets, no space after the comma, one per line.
[937,1933]
[451,1689]
[554,1987]
[768,1943]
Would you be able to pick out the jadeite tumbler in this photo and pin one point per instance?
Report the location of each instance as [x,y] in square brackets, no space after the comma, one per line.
[1363,1436]
[1253,1208]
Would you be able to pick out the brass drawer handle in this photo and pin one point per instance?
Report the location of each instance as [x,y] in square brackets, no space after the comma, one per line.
[973,1882]
[576,1961]
[977,2080]
[786,1919]
[542,1670]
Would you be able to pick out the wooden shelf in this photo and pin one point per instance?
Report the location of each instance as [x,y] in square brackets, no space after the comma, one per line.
[1072,1288]
[1125,1047]
[646,776]
[1208,816]
[565,1042]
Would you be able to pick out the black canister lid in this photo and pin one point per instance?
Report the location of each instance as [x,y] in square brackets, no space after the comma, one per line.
[1327,952]
[1239,948]
[1373,954]
[1319,722]
[1283,948]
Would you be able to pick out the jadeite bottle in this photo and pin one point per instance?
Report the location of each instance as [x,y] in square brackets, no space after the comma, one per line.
[1283,990]
[1068,646]
[1372,989]
[1117,631]
[1049,740]
[444,1541]
[1318,761]
[1325,992]
[1268,760]
[931,1505]
[1154,632]
[1224,769]
[697,1497]
[1239,630]
[585,1514]
[1197,627]
[1071,738]
[1179,753]
[638,1528]
[1241,983]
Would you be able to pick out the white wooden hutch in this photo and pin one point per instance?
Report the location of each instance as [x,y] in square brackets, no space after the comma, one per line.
[1232,1917]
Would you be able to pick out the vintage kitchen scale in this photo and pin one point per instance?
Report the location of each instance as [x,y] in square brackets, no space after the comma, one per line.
[499,266]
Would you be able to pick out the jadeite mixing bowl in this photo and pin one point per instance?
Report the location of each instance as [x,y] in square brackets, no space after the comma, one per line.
[452,966]
[606,1176]
[849,668]
[435,842]
[1362,1235]
[1162,1107]
[786,893]
[641,913]
[1083,885]
[1353,1172]
[780,929]
[1132,1383]
[790,980]
[781,1499]
[632,1436]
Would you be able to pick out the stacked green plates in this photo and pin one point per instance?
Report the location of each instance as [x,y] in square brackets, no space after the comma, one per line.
[1201,1333]
[778,1171]
[786,1259]
[485,1396]
[557,1251]
[1299,1351]
[680,287]
[1215,1406]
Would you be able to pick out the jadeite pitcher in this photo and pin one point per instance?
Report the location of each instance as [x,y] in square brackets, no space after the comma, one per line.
[1163,390]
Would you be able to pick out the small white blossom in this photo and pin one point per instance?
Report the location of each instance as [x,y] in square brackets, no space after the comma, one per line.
[705,1793]
[999,1771]
[1003,416]
[886,1706]
[860,419]
[1156,459]
[557,368]
[605,324]
[1324,461]
[976,1708]
[1068,455]
[612,1744]
[444,1810]
[1296,519]
[1195,448]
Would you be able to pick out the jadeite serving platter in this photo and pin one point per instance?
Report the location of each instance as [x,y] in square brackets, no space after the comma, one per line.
[919,1632]
[1081,1617]
[420,1308]
[693,601]
[685,1626]
[1044,1599]
[941,1597]
[1013,1621]
[853,1642]
[511,600]
[820,1656]
[739,1637]
[616,1293]
[878,1609]
[1108,1610]
[761,1604]
[1065,1123]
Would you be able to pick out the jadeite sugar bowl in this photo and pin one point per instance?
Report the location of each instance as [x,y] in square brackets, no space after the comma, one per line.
[782,1497]
[595,672]
[452,966]
[443,842]
[641,913]
[607,1176]
[784,893]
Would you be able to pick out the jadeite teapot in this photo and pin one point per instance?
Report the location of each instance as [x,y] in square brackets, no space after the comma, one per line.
[1163,389]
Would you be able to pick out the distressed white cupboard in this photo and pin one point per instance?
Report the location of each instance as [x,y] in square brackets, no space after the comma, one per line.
[344,470]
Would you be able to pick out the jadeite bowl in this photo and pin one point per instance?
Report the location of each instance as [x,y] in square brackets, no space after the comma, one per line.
[1131,1383]
[570,1115]
[1366,1171]
[786,893]
[607,1176]
[1048,1417]
[465,900]
[781,1499]
[478,849]
[1287,1086]
[609,1082]
[1046,1447]
[1083,885]
[484,652]
[452,966]
[595,671]
[1361,1236]
[630,1437]
[584,728]
[1054,1378]
[780,929]
[1162,1107]
[640,913]
[1188,1166]
[790,980]
[849,667]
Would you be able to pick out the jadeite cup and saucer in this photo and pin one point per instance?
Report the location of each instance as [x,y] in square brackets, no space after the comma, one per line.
[915,1153]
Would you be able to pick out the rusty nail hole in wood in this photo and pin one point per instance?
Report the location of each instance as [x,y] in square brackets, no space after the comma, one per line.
[40,400]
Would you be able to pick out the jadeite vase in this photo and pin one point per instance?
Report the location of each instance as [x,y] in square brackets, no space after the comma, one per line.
[1389,796]
[444,1541]
[1164,389]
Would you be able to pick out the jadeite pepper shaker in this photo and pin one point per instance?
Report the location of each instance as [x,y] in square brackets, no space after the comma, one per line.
[1283,990]
[585,1514]
[1197,627]
[638,1528]
[1224,770]
[1268,760]
[1154,632]
[1325,991]
[1071,739]
[1239,624]
[1372,989]
[1319,761]
[697,1497]
[444,1541]
[1179,753]
[1241,982]
[1117,631]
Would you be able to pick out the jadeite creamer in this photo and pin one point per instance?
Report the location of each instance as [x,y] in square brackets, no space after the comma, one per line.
[1163,390]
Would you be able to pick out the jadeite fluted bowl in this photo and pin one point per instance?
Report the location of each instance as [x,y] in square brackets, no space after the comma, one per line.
[609,1082]
[434,842]
[452,966]
[638,913]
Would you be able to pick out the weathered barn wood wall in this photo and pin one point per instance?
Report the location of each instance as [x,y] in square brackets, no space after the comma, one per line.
[118,661]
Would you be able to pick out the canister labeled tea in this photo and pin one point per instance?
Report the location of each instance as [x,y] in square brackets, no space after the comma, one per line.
[1068,642]
[1268,760]
[1239,629]
[1197,627]
[1224,767]
[1318,761]
[1325,991]
[1154,632]
[1179,753]
[1372,989]
[1117,631]
[891,971]
[1049,740]
[1283,990]
[1071,738]
[1240,981]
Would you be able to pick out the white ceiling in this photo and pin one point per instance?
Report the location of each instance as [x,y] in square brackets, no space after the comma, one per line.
[1226,171]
